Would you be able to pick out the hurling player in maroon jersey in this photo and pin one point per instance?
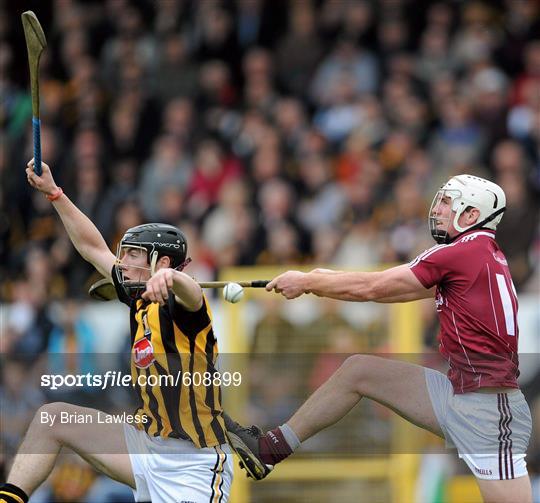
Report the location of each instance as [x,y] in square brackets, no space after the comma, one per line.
[477,407]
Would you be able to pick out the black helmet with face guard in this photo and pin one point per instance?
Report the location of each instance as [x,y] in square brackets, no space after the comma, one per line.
[158,240]
[166,240]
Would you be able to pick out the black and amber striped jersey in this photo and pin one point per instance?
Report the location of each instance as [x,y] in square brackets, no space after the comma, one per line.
[173,358]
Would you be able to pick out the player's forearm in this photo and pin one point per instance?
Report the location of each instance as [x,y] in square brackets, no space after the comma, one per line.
[187,290]
[81,231]
[407,297]
[352,286]
[396,298]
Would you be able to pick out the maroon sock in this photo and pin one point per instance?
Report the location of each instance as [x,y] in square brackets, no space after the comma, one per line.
[273,447]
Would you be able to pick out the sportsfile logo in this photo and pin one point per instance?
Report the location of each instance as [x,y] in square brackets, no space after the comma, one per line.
[113,378]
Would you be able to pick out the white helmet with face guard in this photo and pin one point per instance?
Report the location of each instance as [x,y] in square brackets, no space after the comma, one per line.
[465,192]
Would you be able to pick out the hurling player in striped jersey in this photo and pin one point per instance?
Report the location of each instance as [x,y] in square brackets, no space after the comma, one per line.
[477,407]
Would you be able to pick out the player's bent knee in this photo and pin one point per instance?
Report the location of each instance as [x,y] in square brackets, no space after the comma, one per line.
[54,408]
[46,415]
[49,419]
[355,370]
[49,413]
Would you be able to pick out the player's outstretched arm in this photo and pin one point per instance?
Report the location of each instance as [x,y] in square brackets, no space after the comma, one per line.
[403,297]
[398,284]
[83,233]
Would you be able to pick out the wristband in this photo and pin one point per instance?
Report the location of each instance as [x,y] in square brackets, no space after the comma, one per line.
[55,195]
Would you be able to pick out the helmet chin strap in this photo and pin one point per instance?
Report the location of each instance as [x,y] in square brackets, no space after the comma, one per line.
[479,225]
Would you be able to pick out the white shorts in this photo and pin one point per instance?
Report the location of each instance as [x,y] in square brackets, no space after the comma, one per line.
[170,470]
[491,431]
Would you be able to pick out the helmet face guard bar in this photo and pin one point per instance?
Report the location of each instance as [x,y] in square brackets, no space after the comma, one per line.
[438,226]
[135,288]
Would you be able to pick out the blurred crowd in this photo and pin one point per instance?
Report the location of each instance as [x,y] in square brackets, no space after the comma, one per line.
[272,132]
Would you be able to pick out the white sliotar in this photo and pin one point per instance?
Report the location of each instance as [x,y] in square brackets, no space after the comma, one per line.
[233,292]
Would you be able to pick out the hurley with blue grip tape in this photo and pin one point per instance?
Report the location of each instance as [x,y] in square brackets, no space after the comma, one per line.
[35,43]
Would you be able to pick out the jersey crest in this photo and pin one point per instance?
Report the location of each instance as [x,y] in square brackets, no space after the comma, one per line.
[143,353]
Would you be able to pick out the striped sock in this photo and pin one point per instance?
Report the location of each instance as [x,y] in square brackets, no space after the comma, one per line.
[274,446]
[12,494]
[290,436]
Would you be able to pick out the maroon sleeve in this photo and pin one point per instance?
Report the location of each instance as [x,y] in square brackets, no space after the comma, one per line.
[432,266]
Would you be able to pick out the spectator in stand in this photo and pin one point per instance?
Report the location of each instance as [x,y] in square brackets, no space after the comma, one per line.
[346,58]
[300,50]
[259,88]
[267,163]
[458,139]
[531,73]
[176,74]
[488,96]
[521,119]
[324,244]
[213,34]
[521,25]
[283,245]
[131,45]
[216,90]
[127,214]
[277,215]
[433,58]
[323,200]
[290,118]
[212,168]
[343,111]
[19,390]
[168,18]
[180,121]
[392,36]
[72,350]
[171,205]
[230,223]
[169,166]
[404,220]
[29,325]
[359,23]
[518,233]
[258,23]
[122,186]
[477,36]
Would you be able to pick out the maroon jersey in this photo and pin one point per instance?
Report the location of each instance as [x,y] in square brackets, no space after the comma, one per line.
[477,306]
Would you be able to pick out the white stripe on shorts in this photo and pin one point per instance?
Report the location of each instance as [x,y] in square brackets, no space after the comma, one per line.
[506,462]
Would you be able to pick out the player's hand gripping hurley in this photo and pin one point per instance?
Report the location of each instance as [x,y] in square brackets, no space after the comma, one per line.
[35,43]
